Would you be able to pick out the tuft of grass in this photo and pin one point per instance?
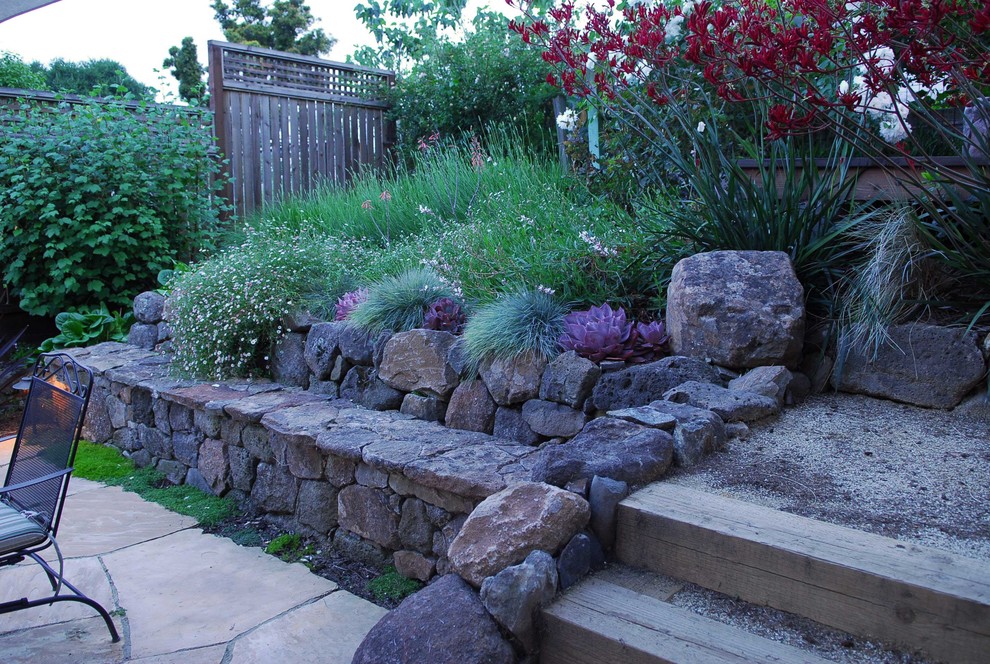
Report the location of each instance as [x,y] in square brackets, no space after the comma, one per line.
[289,547]
[106,464]
[392,586]
[399,303]
[522,321]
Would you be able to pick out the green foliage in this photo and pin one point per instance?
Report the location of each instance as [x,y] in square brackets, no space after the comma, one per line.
[226,313]
[106,464]
[96,198]
[284,25]
[399,303]
[404,29]
[86,328]
[184,63]
[289,547]
[95,78]
[392,586]
[15,73]
[486,78]
[520,322]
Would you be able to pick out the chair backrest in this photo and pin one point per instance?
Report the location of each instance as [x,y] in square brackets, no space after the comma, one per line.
[48,436]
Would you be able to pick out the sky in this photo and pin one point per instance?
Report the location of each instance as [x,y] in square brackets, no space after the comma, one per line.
[138,33]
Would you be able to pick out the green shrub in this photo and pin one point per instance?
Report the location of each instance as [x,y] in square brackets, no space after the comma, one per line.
[226,313]
[15,73]
[522,321]
[399,303]
[97,199]
[88,327]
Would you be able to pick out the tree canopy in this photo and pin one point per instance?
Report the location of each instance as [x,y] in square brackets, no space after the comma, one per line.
[184,63]
[285,25]
[93,77]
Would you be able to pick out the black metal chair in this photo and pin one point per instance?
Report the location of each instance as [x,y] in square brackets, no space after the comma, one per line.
[37,479]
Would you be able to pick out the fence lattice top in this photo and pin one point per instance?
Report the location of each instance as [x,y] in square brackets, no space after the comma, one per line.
[252,67]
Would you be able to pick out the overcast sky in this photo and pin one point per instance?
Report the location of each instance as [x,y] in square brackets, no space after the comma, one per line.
[138,33]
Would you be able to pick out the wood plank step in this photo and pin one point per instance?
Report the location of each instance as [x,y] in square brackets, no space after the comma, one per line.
[876,587]
[597,622]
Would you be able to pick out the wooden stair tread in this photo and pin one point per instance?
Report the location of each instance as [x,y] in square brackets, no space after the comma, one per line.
[602,623]
[859,582]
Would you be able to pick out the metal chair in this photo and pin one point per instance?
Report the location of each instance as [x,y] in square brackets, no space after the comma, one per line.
[37,479]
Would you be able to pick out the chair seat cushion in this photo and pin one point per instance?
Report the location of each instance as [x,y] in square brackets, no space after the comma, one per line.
[17,531]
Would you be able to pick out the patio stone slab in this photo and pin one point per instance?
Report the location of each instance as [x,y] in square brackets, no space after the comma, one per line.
[85,640]
[328,631]
[189,589]
[28,580]
[207,655]
[106,519]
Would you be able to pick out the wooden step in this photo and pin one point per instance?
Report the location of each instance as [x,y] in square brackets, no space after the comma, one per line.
[876,587]
[597,622]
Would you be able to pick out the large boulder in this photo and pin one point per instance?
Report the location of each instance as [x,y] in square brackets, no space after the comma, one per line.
[569,379]
[149,307]
[513,380]
[645,383]
[363,386]
[742,309]
[924,365]
[416,361]
[322,351]
[444,623]
[471,408]
[509,525]
[607,447]
[288,361]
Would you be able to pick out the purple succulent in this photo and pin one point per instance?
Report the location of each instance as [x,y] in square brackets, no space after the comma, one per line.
[599,333]
[446,315]
[348,302]
[650,342]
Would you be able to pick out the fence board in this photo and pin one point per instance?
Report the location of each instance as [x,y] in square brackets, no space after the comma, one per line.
[289,122]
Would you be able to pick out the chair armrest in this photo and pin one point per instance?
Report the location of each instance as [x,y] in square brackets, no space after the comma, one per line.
[6,438]
[37,480]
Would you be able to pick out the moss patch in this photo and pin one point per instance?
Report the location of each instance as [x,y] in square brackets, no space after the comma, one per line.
[392,587]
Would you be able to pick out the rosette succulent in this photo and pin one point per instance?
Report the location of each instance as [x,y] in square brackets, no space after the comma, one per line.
[446,315]
[347,302]
[600,333]
[649,342]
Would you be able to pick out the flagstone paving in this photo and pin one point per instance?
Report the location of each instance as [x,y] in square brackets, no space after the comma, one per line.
[177,595]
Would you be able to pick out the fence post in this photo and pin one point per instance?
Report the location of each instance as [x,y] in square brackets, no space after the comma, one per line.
[559,106]
[214,68]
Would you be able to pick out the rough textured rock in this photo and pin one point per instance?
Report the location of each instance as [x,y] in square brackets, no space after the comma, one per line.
[321,348]
[299,320]
[413,565]
[608,447]
[575,561]
[288,363]
[510,425]
[444,623]
[367,512]
[356,345]
[317,506]
[363,386]
[471,408]
[551,419]
[740,308]
[430,409]
[730,405]
[770,381]
[639,385]
[416,361]
[415,529]
[509,525]
[214,464]
[604,497]
[148,307]
[143,335]
[924,365]
[515,594]
[514,380]
[275,489]
[569,379]
[697,431]
[241,468]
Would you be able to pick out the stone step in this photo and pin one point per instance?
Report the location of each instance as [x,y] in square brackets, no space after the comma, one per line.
[598,622]
[872,586]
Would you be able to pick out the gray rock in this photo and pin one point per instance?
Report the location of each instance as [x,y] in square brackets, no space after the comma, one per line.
[257,441]
[363,386]
[698,431]
[180,418]
[416,361]
[414,565]
[174,471]
[118,414]
[510,425]
[340,368]
[428,408]
[321,349]
[730,405]
[976,127]
[326,388]
[148,307]
[648,417]
[98,427]
[299,320]
[241,468]
[207,422]
[471,408]
[444,623]
[740,308]
[195,478]
[514,380]
[353,547]
[458,359]
[288,363]
[415,528]
[365,475]
[551,419]
[737,430]
[608,447]
[316,506]
[924,365]
[356,345]
[214,465]
[604,497]
[143,335]
[367,512]
[976,407]
[770,381]
[639,385]
[185,448]
[514,595]
[378,349]
[155,442]
[575,561]
[275,489]
[569,379]
[509,525]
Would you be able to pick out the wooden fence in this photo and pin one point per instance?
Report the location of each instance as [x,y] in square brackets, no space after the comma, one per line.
[287,123]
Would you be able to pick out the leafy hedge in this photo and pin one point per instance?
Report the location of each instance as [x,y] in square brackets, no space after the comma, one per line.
[97,198]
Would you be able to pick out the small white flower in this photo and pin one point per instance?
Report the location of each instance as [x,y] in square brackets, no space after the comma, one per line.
[545,289]
[844,87]
[425,210]
[701,127]
[568,120]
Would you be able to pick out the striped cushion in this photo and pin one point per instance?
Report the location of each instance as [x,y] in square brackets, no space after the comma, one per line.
[17,531]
